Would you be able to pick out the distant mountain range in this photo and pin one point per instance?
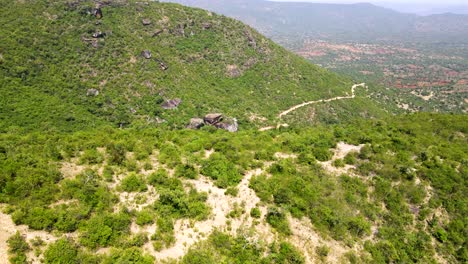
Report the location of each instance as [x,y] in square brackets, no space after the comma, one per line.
[339,22]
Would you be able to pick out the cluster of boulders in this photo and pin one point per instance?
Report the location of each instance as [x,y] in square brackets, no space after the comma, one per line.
[216,120]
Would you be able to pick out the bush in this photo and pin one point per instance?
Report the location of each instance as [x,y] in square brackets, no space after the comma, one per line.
[145,217]
[255,212]
[130,255]
[186,171]
[62,251]
[233,191]
[277,219]
[17,245]
[133,183]
[221,170]
[91,156]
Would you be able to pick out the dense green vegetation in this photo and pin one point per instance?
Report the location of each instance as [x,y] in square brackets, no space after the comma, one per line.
[401,158]
[111,177]
[50,64]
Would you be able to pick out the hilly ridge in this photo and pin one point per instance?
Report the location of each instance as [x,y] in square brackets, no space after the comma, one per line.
[52,66]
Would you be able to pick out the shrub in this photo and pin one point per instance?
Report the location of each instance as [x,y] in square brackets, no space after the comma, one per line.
[133,183]
[255,212]
[221,170]
[62,251]
[233,191]
[277,219]
[145,217]
[91,156]
[17,244]
[186,171]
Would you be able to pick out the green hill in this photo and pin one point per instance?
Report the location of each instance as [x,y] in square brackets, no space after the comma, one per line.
[52,67]
[93,167]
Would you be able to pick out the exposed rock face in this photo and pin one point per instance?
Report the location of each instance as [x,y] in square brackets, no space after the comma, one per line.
[196,123]
[233,71]
[146,22]
[171,104]
[146,54]
[92,92]
[213,119]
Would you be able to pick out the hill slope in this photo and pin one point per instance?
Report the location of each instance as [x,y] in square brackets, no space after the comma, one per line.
[54,73]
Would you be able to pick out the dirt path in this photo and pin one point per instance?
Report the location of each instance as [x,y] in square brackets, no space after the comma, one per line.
[353,88]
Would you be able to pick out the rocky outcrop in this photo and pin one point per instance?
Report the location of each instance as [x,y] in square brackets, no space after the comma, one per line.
[92,92]
[217,120]
[171,104]
[196,123]
[146,54]
[213,119]
[229,124]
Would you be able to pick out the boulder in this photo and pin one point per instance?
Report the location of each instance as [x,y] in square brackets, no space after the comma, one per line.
[171,104]
[196,123]
[213,119]
[146,22]
[146,54]
[92,92]
[229,124]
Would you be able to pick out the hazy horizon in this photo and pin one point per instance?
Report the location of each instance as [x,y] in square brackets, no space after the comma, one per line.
[421,7]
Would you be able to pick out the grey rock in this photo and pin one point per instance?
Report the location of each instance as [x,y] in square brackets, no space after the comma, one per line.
[213,119]
[146,22]
[146,54]
[229,124]
[171,104]
[92,92]
[196,123]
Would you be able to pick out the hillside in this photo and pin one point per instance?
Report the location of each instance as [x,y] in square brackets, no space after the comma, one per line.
[55,75]
[97,166]
[415,63]
[387,191]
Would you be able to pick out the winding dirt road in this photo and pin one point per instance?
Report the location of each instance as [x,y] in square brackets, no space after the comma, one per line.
[322,100]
